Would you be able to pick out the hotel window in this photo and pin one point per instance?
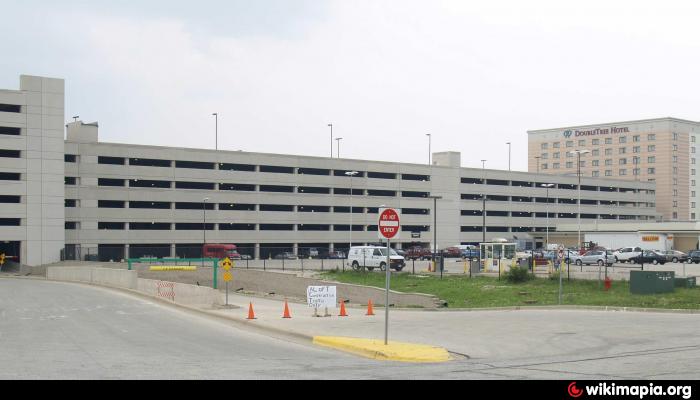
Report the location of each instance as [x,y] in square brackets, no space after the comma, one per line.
[692,194]
[675,136]
[569,143]
[622,161]
[608,140]
[544,166]
[596,153]
[651,159]
[622,139]
[555,165]
[608,152]
[692,172]
[636,171]
[651,136]
[595,174]
[651,171]
[692,215]
[582,164]
[635,160]
[636,149]
[545,156]
[636,138]
[675,147]
[675,170]
[595,142]
[675,192]
[675,215]
[608,161]
[692,139]
[544,146]
[622,150]
[651,147]
[555,155]
[555,145]
[692,161]
[692,149]
[623,172]
[675,204]
[569,164]
[692,205]
[692,183]
[595,163]
[569,155]
[608,172]
[675,159]
[582,142]
[675,181]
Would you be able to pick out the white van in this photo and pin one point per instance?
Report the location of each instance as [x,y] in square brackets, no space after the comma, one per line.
[372,257]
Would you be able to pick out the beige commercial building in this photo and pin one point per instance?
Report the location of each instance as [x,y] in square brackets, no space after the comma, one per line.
[661,150]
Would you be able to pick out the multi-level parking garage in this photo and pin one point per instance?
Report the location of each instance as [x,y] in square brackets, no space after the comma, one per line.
[124,200]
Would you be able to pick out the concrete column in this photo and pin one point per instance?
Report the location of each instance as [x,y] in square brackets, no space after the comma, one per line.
[126,251]
[256,253]
[173,254]
[295,248]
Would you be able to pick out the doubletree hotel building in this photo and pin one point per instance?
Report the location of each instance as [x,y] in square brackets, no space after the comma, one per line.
[63,191]
[662,150]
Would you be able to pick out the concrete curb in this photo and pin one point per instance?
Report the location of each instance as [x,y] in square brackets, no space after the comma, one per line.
[394,351]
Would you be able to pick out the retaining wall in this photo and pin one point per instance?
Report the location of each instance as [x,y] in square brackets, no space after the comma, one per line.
[294,286]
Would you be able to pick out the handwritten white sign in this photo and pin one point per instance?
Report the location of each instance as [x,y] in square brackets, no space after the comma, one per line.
[321,296]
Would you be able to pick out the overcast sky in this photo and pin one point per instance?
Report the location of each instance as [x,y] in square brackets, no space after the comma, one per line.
[385,72]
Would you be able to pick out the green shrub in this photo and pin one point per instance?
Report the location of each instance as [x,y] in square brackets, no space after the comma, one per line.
[518,274]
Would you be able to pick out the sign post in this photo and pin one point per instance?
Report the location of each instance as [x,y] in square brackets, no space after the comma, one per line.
[226,264]
[388,228]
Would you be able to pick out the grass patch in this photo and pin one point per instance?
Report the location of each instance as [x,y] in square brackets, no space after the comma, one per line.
[477,292]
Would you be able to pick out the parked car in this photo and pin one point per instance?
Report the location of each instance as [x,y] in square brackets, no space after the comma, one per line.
[285,256]
[338,255]
[246,257]
[650,257]
[591,257]
[626,253]
[371,257]
[453,251]
[675,256]
[694,256]
[418,253]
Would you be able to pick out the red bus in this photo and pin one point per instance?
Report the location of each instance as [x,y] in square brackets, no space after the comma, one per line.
[220,251]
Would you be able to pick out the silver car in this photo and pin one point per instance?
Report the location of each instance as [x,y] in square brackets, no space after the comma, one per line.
[600,257]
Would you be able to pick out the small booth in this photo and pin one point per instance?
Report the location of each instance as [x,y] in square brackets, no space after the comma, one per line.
[497,256]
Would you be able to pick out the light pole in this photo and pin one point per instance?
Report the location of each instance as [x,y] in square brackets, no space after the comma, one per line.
[331,125]
[204,226]
[351,174]
[216,130]
[435,246]
[338,140]
[508,143]
[547,185]
[430,139]
[538,163]
[578,167]
[483,202]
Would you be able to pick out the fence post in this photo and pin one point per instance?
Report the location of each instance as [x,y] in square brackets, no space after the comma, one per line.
[322,264]
[215,265]
[302,266]
[414,266]
[282,263]
[246,263]
[568,269]
[264,265]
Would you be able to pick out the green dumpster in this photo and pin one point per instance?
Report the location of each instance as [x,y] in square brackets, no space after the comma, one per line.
[651,282]
[688,282]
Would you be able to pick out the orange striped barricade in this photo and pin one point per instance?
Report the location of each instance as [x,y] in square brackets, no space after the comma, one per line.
[166,289]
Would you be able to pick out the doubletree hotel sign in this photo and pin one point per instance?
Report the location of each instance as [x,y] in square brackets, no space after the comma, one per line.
[595,132]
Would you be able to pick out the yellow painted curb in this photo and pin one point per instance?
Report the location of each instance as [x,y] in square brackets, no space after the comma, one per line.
[394,351]
[172,268]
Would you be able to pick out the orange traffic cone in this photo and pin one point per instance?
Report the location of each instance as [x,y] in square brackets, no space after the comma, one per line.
[342,309]
[251,314]
[370,309]
[286,310]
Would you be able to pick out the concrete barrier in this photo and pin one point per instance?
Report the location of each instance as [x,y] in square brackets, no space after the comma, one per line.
[295,286]
[183,293]
[71,274]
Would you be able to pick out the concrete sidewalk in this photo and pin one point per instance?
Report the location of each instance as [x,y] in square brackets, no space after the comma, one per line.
[505,334]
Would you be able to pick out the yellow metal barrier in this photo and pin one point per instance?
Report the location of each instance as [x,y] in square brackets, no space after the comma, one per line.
[172,268]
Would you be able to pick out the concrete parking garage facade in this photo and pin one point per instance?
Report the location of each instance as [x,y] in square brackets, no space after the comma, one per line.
[129,200]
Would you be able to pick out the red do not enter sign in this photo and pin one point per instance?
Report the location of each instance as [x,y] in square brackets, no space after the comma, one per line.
[389,224]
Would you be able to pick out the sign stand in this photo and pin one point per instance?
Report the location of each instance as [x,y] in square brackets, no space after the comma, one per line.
[388,227]
[386,303]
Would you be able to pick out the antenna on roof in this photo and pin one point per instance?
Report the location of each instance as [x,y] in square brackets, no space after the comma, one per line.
[75,118]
